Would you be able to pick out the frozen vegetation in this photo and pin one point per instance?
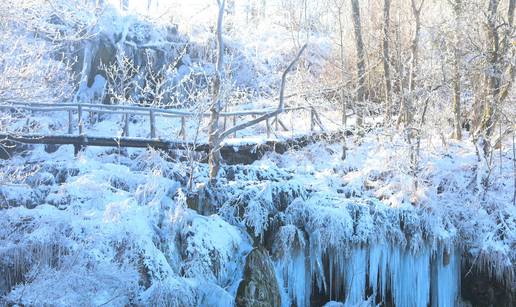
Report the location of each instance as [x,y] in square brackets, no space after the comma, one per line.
[119,229]
[381,216]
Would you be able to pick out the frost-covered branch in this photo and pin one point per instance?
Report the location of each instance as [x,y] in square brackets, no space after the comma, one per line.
[281,105]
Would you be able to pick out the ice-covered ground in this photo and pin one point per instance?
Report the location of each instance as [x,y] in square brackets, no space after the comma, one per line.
[111,228]
[116,227]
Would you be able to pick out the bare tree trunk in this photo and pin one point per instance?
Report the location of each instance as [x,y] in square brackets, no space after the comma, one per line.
[414,47]
[359,44]
[386,68]
[457,131]
[510,22]
[492,76]
[342,78]
[508,33]
[214,139]
[498,50]
[406,112]
[414,50]
[400,72]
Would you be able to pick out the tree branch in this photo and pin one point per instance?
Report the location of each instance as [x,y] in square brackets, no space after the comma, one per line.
[281,105]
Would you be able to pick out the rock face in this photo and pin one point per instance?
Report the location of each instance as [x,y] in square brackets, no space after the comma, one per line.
[479,289]
[259,288]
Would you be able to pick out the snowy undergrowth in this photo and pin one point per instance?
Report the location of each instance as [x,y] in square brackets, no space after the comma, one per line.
[112,230]
[121,221]
[372,199]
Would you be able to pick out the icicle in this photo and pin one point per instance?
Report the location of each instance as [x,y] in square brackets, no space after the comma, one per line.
[356,277]
[409,277]
[375,256]
[414,278]
[293,269]
[293,274]
[445,278]
[316,256]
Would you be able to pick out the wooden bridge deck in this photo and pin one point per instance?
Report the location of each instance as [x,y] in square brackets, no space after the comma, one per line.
[77,136]
[232,154]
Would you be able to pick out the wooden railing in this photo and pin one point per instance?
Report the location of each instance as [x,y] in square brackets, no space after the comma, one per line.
[152,113]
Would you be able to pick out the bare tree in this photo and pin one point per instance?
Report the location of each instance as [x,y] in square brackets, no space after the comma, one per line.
[406,111]
[214,138]
[414,47]
[497,64]
[385,58]
[457,126]
[28,70]
[216,134]
[338,6]
[361,66]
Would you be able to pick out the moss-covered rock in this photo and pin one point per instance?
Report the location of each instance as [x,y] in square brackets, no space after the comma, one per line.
[259,288]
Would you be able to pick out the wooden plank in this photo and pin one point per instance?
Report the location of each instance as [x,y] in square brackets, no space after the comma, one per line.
[225,119]
[312,119]
[318,121]
[231,153]
[84,140]
[282,125]
[268,127]
[44,109]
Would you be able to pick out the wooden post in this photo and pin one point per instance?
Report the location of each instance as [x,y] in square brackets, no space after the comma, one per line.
[225,117]
[70,125]
[80,123]
[292,121]
[311,119]
[267,123]
[126,124]
[234,124]
[152,124]
[183,127]
[276,123]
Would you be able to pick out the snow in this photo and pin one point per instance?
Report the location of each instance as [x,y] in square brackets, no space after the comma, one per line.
[113,224]
[336,239]
[116,226]
[328,225]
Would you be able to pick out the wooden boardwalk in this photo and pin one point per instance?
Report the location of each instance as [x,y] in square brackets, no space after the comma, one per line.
[77,135]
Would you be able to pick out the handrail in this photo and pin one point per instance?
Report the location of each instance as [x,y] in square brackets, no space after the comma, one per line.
[152,114]
[119,109]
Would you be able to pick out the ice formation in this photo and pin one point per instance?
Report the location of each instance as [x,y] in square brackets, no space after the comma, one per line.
[356,251]
[385,272]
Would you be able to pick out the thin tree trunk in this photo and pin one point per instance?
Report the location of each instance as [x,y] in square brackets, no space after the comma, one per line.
[359,44]
[414,50]
[386,68]
[457,131]
[492,76]
[400,73]
[506,45]
[342,78]
[414,47]
[214,139]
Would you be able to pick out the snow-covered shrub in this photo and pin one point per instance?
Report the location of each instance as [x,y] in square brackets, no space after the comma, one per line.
[170,292]
[212,250]
[257,204]
[17,195]
[77,281]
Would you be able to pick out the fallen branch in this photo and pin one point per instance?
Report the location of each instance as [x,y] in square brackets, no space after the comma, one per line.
[266,116]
